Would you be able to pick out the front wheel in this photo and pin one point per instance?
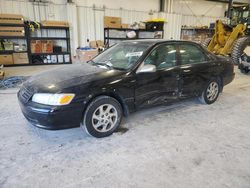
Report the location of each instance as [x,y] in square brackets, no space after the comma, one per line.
[211,92]
[102,116]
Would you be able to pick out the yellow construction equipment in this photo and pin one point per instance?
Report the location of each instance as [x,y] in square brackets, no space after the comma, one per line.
[223,39]
[233,38]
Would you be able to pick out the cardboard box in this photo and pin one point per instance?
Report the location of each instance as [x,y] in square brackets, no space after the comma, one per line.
[20,58]
[96,44]
[1,74]
[66,58]
[86,55]
[36,46]
[60,58]
[47,46]
[8,46]
[6,60]
[54,23]
[53,58]
[11,19]
[12,31]
[112,22]
[142,27]
[125,26]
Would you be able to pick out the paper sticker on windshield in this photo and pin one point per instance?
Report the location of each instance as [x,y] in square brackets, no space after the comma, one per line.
[132,54]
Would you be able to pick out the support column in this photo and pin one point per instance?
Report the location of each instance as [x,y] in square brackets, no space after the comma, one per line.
[72,19]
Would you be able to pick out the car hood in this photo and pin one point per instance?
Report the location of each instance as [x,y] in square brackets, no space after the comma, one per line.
[66,77]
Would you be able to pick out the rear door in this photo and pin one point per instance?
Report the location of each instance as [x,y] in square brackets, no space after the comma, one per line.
[160,86]
[195,69]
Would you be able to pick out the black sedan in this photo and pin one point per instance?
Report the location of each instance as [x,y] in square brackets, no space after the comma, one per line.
[126,77]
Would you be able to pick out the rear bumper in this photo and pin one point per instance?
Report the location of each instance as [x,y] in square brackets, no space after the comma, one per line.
[228,79]
[52,117]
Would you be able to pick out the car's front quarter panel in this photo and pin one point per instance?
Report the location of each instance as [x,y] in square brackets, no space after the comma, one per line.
[120,86]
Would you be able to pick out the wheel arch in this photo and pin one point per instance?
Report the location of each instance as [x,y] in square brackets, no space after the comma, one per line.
[216,77]
[114,95]
[220,79]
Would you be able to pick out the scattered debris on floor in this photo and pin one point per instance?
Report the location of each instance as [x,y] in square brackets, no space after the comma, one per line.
[1,72]
[12,82]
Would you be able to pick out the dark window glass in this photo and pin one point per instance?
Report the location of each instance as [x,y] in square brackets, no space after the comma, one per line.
[121,56]
[190,54]
[162,57]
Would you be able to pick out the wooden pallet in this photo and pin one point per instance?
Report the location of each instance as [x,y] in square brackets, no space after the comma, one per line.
[11,19]
[12,31]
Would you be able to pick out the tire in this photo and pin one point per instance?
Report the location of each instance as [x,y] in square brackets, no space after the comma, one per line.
[244,70]
[238,48]
[102,116]
[206,42]
[205,96]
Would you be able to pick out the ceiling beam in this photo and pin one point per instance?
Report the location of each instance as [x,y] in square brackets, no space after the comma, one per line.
[235,1]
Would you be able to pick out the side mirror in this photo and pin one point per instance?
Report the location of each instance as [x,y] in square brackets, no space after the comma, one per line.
[146,68]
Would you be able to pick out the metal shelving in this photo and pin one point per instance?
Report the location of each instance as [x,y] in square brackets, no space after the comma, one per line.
[49,38]
[11,52]
[108,37]
[54,53]
[12,37]
[196,34]
[28,38]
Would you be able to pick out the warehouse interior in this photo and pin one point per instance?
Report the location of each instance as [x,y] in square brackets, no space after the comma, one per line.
[180,144]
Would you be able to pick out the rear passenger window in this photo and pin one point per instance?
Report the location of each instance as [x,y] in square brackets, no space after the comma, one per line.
[190,54]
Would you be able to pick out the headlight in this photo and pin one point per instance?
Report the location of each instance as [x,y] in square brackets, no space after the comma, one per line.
[53,99]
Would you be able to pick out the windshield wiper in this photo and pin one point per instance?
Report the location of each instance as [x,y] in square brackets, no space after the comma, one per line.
[108,64]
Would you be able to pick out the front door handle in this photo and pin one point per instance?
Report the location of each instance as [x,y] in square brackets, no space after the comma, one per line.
[186,70]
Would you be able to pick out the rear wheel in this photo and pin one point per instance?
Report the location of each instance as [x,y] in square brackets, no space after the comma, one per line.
[102,117]
[238,48]
[211,92]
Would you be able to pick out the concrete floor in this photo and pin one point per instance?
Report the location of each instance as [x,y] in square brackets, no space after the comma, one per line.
[183,145]
[28,70]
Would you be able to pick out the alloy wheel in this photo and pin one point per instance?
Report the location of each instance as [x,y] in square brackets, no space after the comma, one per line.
[212,91]
[104,118]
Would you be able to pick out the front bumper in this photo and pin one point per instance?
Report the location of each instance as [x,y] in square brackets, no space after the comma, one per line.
[52,117]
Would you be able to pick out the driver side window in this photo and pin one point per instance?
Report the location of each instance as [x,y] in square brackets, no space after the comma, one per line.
[162,57]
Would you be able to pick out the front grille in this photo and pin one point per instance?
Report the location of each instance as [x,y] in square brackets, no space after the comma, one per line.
[25,94]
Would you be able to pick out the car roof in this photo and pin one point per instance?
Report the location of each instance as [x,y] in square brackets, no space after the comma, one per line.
[155,41]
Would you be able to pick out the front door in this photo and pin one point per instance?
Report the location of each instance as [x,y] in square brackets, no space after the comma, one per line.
[161,86]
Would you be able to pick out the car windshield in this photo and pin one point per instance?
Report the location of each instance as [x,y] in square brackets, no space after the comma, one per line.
[121,56]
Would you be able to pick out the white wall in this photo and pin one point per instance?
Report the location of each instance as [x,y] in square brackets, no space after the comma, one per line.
[199,8]
[87,22]
[138,5]
[35,11]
